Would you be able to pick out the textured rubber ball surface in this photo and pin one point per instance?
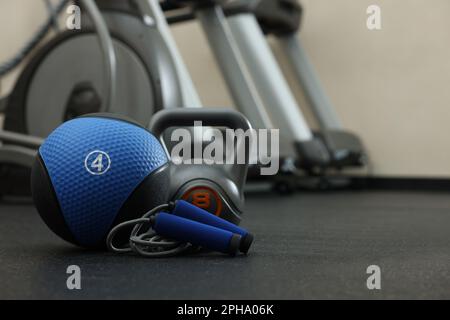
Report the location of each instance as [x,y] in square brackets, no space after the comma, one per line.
[90,202]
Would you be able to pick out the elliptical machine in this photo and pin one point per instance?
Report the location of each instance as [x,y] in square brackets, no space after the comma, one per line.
[146,73]
[256,94]
[236,32]
[123,60]
[282,19]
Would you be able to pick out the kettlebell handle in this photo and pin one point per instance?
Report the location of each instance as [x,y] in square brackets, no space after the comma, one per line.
[185,117]
[210,117]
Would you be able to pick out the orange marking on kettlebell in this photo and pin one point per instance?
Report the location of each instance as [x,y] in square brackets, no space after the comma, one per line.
[202,196]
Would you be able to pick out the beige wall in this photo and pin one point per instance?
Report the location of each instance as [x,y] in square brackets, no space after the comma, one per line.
[18,20]
[392,87]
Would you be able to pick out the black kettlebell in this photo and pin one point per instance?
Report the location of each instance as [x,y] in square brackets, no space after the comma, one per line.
[216,188]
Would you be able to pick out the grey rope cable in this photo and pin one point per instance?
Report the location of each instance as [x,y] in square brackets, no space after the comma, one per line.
[52,14]
[17,59]
[147,244]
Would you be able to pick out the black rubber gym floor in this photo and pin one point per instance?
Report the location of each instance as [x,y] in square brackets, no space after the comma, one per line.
[310,245]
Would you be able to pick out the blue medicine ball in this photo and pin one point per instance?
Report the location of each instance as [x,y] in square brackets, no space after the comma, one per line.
[95,172]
